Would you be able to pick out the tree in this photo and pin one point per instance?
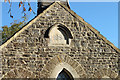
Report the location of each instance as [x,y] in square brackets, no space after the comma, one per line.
[7,32]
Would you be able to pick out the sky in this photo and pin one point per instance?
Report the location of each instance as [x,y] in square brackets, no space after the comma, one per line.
[103,16]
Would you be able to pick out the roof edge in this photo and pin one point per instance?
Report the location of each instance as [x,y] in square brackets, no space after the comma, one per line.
[70,11]
[93,29]
[25,27]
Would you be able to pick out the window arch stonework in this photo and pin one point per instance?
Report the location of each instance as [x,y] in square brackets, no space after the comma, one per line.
[60,62]
[59,35]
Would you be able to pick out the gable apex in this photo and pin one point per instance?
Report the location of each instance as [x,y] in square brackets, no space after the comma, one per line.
[73,14]
[90,27]
[44,4]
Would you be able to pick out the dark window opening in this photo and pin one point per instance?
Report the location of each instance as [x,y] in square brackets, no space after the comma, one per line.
[66,30]
[64,75]
[64,34]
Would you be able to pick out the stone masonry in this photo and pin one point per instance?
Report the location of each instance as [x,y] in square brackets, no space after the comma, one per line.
[28,54]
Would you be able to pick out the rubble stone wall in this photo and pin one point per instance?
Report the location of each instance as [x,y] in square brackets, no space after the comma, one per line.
[29,53]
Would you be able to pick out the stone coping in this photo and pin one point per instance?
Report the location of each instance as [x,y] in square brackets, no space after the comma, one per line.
[71,12]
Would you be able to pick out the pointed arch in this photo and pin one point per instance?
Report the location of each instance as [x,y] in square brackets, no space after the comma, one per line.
[65,74]
[60,62]
[64,66]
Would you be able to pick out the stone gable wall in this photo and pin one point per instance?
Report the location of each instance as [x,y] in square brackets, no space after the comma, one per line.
[30,50]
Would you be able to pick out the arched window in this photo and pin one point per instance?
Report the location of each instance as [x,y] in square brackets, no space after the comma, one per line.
[64,75]
[58,35]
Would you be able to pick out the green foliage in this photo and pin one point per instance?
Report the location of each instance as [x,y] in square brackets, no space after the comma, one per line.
[7,32]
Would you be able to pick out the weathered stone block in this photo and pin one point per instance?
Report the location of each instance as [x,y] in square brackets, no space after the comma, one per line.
[88,52]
